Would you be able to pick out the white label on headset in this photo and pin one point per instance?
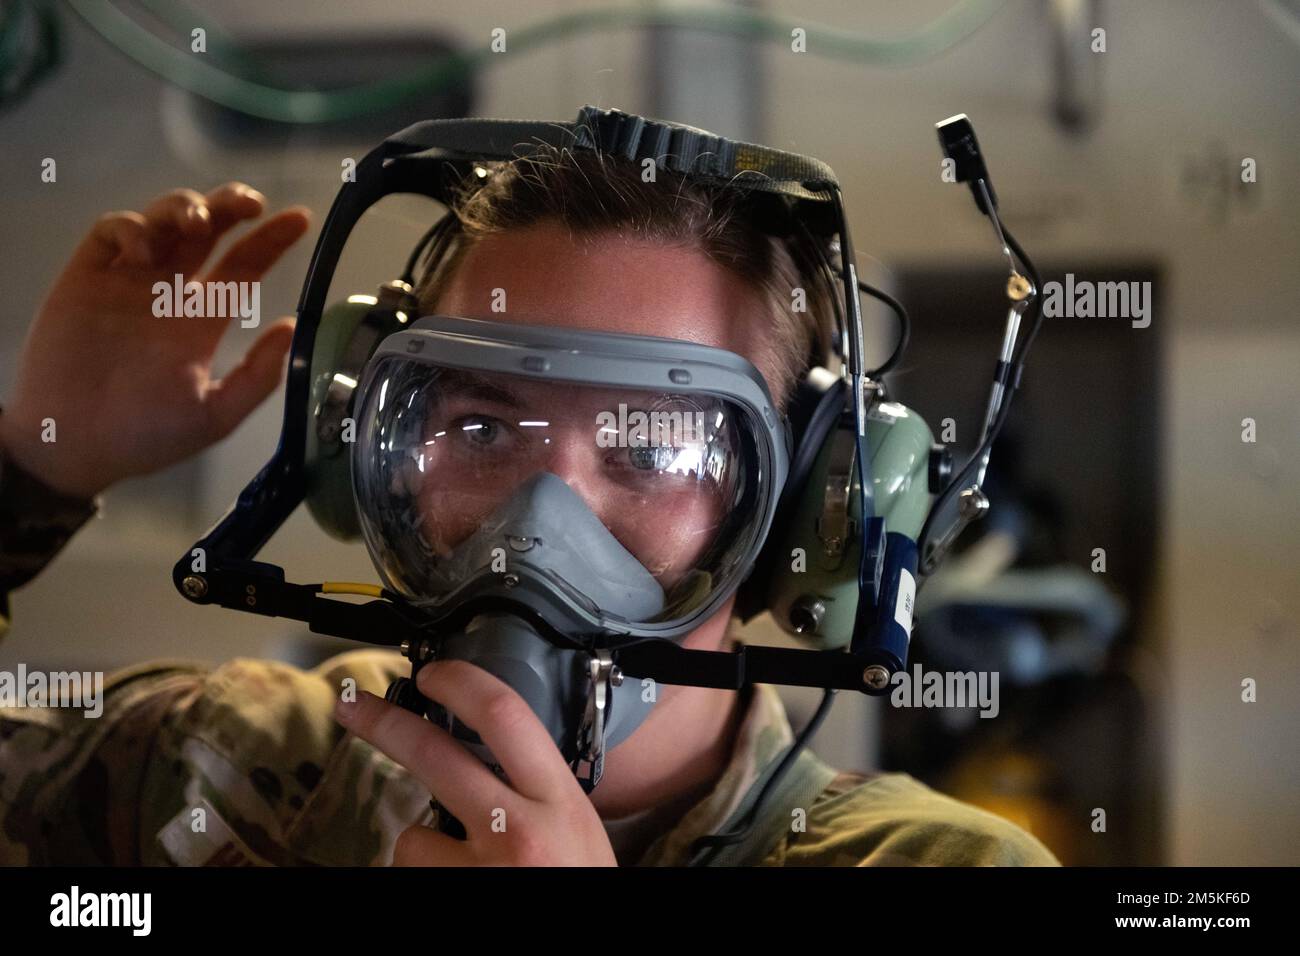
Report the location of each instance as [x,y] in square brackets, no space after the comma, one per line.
[906,600]
[886,412]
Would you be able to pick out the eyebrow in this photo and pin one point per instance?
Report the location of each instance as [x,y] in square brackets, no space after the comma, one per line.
[458,383]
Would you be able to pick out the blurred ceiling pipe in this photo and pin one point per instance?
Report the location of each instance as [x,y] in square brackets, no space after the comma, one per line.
[705,79]
[1076,69]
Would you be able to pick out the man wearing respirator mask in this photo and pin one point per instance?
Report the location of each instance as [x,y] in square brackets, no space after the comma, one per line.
[568,438]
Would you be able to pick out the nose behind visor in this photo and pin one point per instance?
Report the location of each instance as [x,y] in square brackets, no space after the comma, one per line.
[632,505]
[545,529]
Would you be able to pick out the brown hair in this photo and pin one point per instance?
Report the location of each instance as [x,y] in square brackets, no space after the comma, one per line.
[592,192]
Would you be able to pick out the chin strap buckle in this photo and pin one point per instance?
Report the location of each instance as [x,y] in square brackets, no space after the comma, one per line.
[602,675]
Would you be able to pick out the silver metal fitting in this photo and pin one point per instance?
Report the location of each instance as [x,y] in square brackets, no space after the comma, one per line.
[806,614]
[972,504]
[876,677]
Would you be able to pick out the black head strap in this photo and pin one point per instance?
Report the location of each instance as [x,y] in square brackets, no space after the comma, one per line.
[672,146]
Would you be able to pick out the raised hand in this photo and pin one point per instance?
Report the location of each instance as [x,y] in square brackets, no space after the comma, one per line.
[129,392]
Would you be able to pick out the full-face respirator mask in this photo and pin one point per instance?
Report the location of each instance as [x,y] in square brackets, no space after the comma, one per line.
[562,507]
[617,485]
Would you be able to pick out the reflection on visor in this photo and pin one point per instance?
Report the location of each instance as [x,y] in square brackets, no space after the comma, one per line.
[447,449]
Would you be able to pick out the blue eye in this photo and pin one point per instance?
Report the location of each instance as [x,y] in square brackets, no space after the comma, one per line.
[480,430]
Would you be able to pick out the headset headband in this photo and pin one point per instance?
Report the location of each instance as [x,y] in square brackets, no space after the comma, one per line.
[691,152]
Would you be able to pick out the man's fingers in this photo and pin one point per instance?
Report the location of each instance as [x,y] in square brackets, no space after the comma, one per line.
[249,258]
[241,390]
[460,781]
[504,721]
[116,238]
[179,215]
[233,202]
[420,846]
[185,226]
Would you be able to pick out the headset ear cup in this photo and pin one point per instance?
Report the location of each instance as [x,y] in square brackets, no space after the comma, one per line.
[813,414]
[349,332]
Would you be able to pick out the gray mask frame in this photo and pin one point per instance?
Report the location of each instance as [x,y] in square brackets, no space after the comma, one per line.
[554,353]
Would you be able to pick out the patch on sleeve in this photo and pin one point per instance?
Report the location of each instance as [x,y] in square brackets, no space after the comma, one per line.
[198,836]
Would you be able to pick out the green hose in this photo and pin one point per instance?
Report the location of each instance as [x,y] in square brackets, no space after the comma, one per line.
[240,91]
[31,46]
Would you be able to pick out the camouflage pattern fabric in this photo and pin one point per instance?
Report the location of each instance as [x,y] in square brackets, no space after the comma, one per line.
[35,523]
[886,819]
[243,764]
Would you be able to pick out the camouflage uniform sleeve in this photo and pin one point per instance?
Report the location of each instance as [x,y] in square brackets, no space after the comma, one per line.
[892,819]
[70,782]
[242,764]
[35,523]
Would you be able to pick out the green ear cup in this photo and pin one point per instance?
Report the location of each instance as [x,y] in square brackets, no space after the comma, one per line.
[348,333]
[815,586]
